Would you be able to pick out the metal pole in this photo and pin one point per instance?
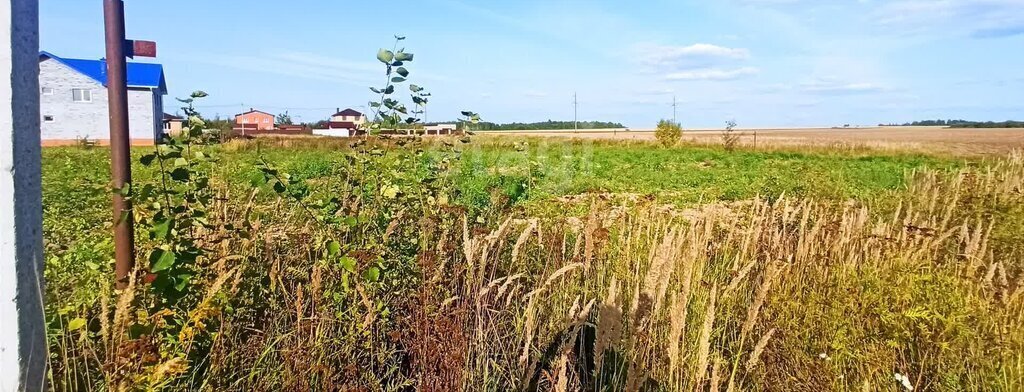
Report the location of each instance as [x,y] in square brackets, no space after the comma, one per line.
[674,110]
[575,121]
[120,154]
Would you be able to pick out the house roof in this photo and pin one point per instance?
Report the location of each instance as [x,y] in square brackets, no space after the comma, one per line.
[171,117]
[348,112]
[254,111]
[144,75]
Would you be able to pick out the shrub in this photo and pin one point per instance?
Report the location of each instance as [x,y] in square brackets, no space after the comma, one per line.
[729,136]
[668,132]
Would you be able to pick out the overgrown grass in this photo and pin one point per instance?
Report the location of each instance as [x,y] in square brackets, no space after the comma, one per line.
[560,265]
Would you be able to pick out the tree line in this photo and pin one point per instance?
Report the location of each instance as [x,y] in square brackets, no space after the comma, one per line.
[960,124]
[543,125]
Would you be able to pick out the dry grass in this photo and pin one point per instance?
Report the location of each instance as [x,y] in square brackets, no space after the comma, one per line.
[956,141]
[756,292]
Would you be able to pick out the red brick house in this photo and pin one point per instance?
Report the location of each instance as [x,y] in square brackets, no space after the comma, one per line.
[254,120]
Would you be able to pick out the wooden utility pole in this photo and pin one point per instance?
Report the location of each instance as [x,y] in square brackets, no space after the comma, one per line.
[120,143]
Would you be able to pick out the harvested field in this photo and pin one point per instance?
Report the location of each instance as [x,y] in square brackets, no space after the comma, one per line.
[957,141]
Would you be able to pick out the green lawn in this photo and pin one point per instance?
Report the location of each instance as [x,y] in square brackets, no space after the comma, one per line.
[537,171]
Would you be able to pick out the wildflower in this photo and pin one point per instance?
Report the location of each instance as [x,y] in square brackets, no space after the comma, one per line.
[904,381]
[824,357]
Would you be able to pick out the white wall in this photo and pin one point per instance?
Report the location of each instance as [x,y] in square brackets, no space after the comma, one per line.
[331,132]
[76,120]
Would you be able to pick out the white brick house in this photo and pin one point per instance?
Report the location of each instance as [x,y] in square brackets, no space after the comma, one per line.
[73,100]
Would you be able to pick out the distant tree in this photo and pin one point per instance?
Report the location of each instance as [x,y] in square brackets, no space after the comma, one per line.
[549,124]
[284,119]
[219,124]
[668,132]
[322,124]
[965,124]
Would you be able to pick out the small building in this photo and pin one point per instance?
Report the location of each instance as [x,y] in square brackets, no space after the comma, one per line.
[291,129]
[173,124]
[441,129]
[73,100]
[254,120]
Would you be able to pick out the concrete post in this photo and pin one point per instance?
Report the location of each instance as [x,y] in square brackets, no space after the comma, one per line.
[22,327]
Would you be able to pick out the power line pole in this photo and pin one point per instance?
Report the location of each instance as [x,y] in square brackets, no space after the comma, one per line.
[120,156]
[575,109]
[674,110]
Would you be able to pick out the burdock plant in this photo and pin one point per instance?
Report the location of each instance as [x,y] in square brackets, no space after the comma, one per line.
[668,132]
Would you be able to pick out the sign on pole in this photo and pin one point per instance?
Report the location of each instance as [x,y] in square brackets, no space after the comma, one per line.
[139,48]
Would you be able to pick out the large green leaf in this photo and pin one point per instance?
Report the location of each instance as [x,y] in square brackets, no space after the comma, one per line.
[161,229]
[402,56]
[348,263]
[181,281]
[161,260]
[402,71]
[372,274]
[180,174]
[147,159]
[333,248]
[76,324]
[385,56]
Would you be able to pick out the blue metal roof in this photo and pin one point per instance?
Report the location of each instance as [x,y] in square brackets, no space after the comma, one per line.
[139,74]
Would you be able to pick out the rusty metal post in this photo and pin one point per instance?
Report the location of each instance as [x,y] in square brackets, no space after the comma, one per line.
[120,154]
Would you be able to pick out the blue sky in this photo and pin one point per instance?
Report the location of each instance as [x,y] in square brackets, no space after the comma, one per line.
[760,62]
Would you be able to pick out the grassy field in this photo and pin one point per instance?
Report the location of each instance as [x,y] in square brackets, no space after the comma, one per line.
[540,264]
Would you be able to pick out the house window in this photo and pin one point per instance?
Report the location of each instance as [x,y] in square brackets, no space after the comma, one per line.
[81,95]
[48,118]
[47,90]
[266,120]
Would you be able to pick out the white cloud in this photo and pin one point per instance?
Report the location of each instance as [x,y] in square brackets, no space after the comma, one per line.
[535,94]
[672,58]
[834,87]
[657,91]
[712,74]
